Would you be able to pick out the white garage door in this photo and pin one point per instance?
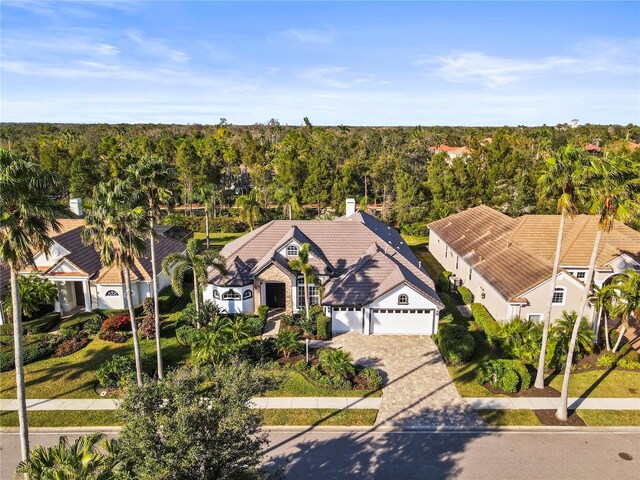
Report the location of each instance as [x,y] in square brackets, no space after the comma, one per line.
[346,319]
[402,321]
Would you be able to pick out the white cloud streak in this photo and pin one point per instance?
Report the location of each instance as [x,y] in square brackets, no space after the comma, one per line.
[310,36]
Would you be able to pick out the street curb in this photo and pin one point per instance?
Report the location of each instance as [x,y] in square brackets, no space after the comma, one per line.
[370,429]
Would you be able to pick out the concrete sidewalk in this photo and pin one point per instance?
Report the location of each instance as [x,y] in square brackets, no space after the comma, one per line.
[333,403]
[551,403]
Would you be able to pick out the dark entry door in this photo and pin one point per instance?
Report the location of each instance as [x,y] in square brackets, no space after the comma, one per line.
[275,295]
[79,294]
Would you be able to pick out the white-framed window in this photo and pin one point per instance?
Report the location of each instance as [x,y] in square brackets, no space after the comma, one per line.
[231,295]
[559,296]
[314,295]
[216,294]
[292,250]
[111,293]
[581,275]
[247,294]
[535,317]
[403,299]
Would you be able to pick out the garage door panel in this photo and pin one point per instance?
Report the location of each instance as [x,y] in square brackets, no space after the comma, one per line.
[402,322]
[346,321]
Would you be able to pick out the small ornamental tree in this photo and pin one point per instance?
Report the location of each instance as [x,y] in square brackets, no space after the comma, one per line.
[194,424]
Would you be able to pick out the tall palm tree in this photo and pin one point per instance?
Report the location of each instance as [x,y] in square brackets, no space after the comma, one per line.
[612,191]
[602,303]
[560,178]
[301,264]
[176,265]
[116,226]
[627,288]
[287,198]
[28,212]
[248,208]
[156,180]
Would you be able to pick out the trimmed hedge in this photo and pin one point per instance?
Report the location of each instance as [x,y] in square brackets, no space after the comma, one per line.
[324,327]
[39,325]
[442,285]
[166,299]
[452,308]
[456,343]
[509,375]
[38,348]
[466,295]
[78,320]
[489,324]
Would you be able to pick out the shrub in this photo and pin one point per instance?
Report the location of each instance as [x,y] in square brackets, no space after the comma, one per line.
[309,325]
[37,325]
[115,373]
[560,335]
[166,299]
[607,360]
[290,320]
[521,339]
[186,335]
[93,325]
[418,229]
[71,345]
[113,336]
[324,327]
[452,309]
[227,225]
[148,307]
[254,325]
[509,375]
[456,343]
[116,323]
[442,284]
[337,363]
[489,324]
[38,347]
[372,377]
[630,364]
[466,295]
[263,312]
[148,327]
[614,334]
[287,342]
[78,320]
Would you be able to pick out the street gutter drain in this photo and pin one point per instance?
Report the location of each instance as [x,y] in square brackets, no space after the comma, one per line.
[625,456]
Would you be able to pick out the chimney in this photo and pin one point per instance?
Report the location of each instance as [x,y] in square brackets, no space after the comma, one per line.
[75,205]
[351,206]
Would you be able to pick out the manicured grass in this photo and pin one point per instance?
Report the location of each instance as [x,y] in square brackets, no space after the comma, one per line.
[63,418]
[217,239]
[416,240]
[296,385]
[614,383]
[429,262]
[319,417]
[501,418]
[74,376]
[611,418]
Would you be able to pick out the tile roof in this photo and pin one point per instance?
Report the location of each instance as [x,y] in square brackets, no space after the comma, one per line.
[515,254]
[337,248]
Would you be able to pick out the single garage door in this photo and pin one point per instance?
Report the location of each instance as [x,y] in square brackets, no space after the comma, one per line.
[346,319]
[401,321]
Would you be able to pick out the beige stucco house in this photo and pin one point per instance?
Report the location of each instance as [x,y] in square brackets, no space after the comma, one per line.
[507,262]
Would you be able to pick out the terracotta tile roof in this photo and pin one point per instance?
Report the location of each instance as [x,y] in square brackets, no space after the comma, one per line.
[517,254]
[454,150]
[589,147]
[633,145]
[338,246]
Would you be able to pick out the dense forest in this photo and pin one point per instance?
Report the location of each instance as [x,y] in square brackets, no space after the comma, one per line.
[272,169]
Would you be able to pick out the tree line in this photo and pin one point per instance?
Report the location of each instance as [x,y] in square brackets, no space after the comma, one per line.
[271,170]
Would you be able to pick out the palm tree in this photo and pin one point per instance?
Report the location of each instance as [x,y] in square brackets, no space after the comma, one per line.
[561,334]
[28,212]
[602,303]
[220,340]
[81,459]
[612,192]
[287,198]
[248,208]
[176,265]
[301,264]
[35,292]
[117,227]
[560,177]
[156,180]
[627,288]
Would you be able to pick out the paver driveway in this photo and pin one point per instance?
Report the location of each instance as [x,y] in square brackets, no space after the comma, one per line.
[418,389]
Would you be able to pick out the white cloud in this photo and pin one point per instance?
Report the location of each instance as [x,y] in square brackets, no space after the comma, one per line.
[323,36]
[156,46]
[333,76]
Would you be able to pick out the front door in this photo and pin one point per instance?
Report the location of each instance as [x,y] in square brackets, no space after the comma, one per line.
[275,296]
[79,294]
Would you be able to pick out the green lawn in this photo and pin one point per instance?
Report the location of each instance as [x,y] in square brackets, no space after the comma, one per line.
[63,418]
[296,385]
[416,240]
[611,418]
[217,239]
[501,418]
[74,376]
[319,417]
[602,383]
[429,262]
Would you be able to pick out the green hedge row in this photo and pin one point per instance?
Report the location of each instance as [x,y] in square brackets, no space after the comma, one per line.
[324,327]
[442,285]
[489,324]
[37,349]
[38,325]
[78,320]
[451,307]
[166,299]
[509,375]
[456,343]
[466,295]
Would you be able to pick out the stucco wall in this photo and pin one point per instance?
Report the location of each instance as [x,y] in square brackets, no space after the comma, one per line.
[244,305]
[272,274]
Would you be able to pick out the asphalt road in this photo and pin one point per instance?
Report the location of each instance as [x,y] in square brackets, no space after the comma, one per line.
[430,455]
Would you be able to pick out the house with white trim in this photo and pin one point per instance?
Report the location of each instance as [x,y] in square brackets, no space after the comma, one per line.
[369,279]
[507,262]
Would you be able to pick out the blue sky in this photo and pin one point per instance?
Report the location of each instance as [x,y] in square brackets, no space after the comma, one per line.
[354,63]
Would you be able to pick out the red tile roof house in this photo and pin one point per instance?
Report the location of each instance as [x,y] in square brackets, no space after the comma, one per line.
[372,281]
[507,262]
[84,283]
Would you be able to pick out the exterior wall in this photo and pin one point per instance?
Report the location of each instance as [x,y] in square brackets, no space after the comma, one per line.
[163,281]
[244,305]
[41,260]
[110,302]
[67,295]
[272,274]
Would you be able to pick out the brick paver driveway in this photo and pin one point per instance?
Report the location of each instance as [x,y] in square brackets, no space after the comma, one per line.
[418,389]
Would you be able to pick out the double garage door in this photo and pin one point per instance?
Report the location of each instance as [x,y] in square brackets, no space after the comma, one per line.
[401,321]
[384,321]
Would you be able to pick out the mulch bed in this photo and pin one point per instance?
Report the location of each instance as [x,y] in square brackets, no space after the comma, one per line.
[548,419]
[300,331]
[313,358]
[547,391]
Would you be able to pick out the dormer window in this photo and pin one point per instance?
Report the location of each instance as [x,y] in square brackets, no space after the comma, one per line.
[403,299]
[292,250]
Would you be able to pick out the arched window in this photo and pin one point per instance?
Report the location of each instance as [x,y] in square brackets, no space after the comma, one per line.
[247,294]
[403,299]
[111,293]
[231,295]
[292,250]
[216,294]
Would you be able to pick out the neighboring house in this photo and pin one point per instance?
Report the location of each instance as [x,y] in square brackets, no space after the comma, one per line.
[507,262]
[84,282]
[453,152]
[593,149]
[371,280]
